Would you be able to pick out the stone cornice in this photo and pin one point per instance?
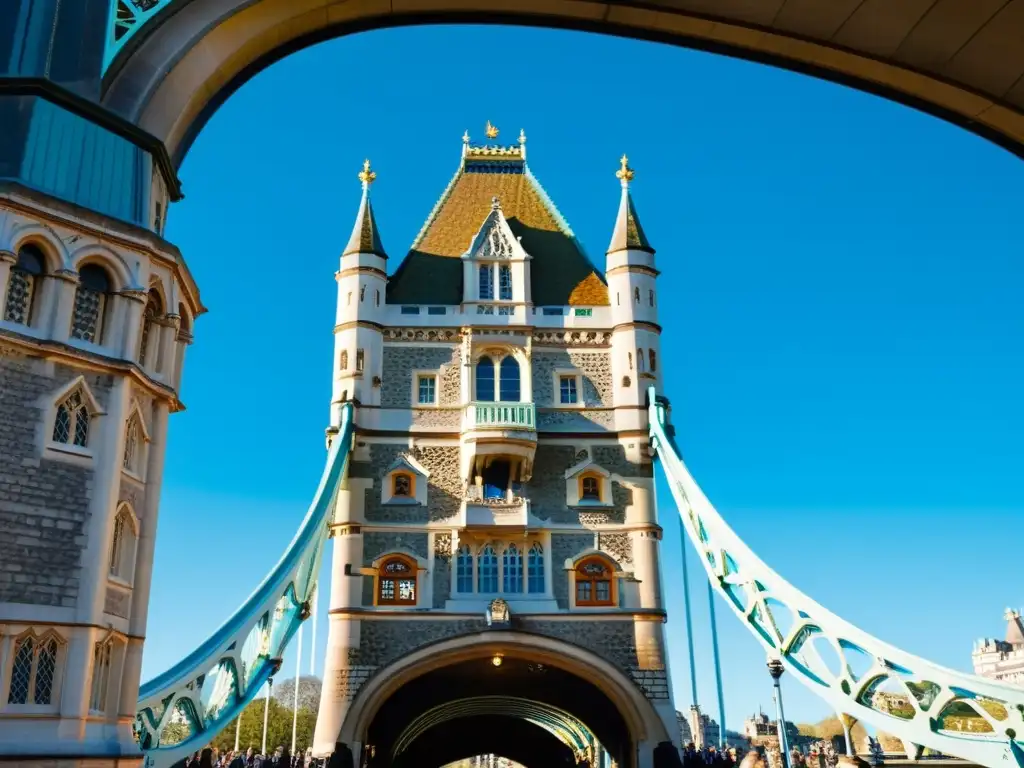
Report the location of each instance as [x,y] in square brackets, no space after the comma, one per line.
[9,257]
[584,615]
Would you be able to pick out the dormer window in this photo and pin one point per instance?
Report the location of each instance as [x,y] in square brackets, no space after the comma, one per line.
[590,488]
[505,283]
[405,482]
[486,281]
[402,485]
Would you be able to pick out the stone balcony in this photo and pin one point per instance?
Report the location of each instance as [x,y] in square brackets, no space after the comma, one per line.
[500,416]
[499,431]
[497,512]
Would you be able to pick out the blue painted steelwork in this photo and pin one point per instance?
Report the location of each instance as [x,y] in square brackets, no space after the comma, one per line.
[212,685]
[125,19]
[795,629]
[689,618]
[718,668]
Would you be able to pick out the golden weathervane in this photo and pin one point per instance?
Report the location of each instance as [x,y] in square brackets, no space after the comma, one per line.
[491,131]
[366,175]
[625,173]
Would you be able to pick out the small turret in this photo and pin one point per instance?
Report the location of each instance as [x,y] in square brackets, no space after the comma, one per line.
[362,280]
[632,289]
[1014,628]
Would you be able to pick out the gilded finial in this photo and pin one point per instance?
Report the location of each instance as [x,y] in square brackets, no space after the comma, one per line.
[465,137]
[522,136]
[366,175]
[625,174]
[491,131]
[495,203]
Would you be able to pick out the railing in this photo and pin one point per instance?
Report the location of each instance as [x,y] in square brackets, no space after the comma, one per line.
[501,415]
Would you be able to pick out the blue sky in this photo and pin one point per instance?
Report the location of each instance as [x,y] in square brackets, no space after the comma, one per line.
[842,347]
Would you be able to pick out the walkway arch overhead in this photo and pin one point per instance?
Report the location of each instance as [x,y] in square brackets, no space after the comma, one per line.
[961,60]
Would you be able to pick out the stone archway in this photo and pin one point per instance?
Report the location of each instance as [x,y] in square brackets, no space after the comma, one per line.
[619,714]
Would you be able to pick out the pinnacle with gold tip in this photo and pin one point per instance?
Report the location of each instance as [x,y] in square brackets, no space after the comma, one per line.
[366,175]
[625,173]
[491,131]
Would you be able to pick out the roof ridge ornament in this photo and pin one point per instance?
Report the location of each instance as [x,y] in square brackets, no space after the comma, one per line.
[366,175]
[491,131]
[625,174]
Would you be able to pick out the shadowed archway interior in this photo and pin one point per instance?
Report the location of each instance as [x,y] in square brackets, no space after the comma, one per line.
[528,712]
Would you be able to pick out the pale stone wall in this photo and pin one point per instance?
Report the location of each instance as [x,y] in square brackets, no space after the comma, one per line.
[596,368]
[399,364]
[44,504]
[563,546]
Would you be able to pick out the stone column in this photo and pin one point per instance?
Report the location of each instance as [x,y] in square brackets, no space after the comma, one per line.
[168,334]
[144,563]
[133,302]
[7,260]
[184,339]
[63,304]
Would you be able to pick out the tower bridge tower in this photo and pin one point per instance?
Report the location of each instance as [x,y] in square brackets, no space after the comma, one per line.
[498,522]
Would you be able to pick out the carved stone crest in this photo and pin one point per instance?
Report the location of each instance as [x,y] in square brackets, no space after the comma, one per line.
[498,614]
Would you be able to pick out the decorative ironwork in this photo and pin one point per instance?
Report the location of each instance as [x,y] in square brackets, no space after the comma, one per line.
[211,686]
[126,18]
[858,675]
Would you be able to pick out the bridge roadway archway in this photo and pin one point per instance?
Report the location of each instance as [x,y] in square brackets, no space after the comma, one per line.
[961,60]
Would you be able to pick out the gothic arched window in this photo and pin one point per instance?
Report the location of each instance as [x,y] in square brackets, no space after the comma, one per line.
[396,582]
[652,360]
[636,295]
[535,569]
[509,380]
[122,545]
[512,570]
[487,567]
[24,285]
[153,311]
[343,360]
[640,359]
[464,569]
[91,304]
[485,379]
[100,676]
[71,424]
[593,582]
[34,671]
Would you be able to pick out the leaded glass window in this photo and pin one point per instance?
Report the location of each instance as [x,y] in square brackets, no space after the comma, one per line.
[133,441]
[100,677]
[505,283]
[91,297]
[535,569]
[153,310]
[485,379]
[46,667]
[487,565]
[71,424]
[486,277]
[464,570]
[512,570]
[23,285]
[509,370]
[34,670]
[122,546]
[21,672]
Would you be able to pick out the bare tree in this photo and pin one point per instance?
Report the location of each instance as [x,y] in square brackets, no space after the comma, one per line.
[309,692]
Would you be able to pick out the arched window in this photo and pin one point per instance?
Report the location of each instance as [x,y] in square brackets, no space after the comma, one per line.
[512,570]
[362,293]
[134,444]
[487,565]
[377,298]
[153,311]
[71,424]
[34,670]
[485,379]
[396,582]
[505,282]
[122,545]
[360,361]
[636,295]
[640,359]
[24,285]
[652,360]
[629,355]
[91,300]
[486,277]
[509,382]
[593,582]
[535,569]
[100,677]
[590,487]
[403,485]
[464,569]
[650,296]
[343,362]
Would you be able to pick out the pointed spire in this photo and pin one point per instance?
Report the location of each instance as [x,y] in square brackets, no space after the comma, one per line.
[628,234]
[1014,629]
[365,237]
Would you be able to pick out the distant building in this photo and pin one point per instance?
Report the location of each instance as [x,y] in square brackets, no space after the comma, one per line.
[685,734]
[704,731]
[759,729]
[1002,659]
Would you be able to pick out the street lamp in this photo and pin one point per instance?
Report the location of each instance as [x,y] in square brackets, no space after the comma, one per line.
[775,669]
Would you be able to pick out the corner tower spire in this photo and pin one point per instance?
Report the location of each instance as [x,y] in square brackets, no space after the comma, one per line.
[365,237]
[628,235]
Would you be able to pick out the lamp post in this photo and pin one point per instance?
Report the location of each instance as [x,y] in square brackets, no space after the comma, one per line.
[775,669]
[238,730]
[266,712]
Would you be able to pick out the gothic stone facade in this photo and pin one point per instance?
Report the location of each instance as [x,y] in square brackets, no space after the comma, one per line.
[500,384]
[95,316]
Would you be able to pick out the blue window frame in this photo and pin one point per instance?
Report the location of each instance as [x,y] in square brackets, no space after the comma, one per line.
[464,570]
[509,380]
[512,575]
[410,310]
[427,389]
[485,379]
[436,310]
[535,569]
[486,282]
[567,394]
[554,311]
[487,565]
[505,283]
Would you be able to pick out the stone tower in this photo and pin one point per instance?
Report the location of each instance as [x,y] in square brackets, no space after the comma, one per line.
[501,460]
[96,317]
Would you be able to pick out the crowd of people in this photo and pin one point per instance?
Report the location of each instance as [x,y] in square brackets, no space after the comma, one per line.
[211,757]
[709,756]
